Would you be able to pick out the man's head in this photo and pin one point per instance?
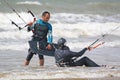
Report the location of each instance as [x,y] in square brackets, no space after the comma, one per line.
[46,16]
[61,42]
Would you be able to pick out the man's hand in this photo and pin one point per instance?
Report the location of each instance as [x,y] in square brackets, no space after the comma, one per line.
[28,29]
[49,47]
[30,23]
[95,46]
[89,48]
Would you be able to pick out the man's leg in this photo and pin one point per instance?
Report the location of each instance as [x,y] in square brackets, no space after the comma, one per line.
[87,62]
[41,60]
[29,57]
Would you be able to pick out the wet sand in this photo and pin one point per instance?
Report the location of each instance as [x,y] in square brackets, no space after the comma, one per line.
[106,78]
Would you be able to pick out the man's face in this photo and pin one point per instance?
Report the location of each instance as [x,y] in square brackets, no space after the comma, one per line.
[46,17]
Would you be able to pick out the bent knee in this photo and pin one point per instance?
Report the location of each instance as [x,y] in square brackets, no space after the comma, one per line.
[85,57]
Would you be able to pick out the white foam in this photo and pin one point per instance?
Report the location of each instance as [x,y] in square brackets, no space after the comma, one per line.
[5,23]
[79,45]
[30,2]
[15,35]
[86,29]
[76,18]
[16,46]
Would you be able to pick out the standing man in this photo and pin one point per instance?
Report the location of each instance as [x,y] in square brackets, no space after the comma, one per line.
[42,32]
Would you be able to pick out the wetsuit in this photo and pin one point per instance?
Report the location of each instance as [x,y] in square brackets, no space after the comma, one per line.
[41,30]
[65,57]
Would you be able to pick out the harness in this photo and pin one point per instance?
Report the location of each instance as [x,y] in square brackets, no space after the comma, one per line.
[62,63]
[60,57]
[40,31]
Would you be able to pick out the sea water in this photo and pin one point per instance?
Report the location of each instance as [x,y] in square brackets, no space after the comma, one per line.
[80,22]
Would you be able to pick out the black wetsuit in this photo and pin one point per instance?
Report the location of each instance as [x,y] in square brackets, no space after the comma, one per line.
[65,57]
[31,53]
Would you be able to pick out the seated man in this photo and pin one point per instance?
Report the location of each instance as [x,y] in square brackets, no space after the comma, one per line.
[63,55]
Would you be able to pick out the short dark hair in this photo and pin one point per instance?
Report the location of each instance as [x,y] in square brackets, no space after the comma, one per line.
[45,12]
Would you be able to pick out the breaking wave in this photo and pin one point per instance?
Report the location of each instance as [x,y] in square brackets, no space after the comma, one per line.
[30,3]
[72,27]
